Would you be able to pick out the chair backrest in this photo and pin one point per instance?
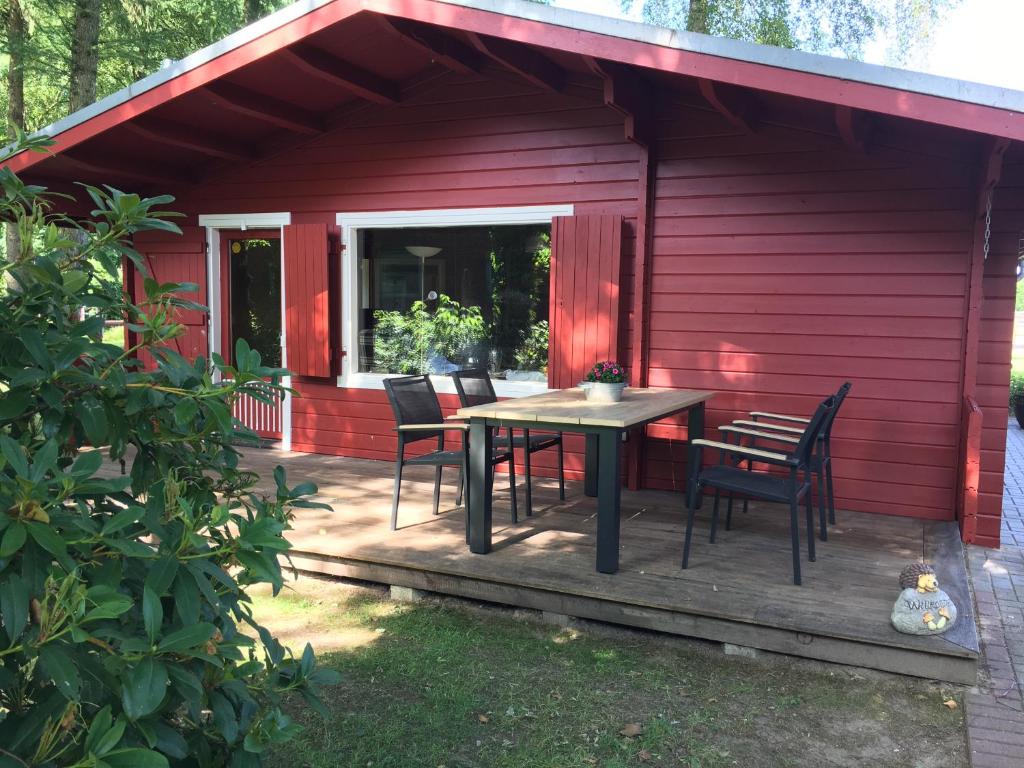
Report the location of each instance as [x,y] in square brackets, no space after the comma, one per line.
[414,401]
[826,431]
[474,387]
[802,451]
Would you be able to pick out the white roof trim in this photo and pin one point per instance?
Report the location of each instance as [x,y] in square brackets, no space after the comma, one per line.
[828,66]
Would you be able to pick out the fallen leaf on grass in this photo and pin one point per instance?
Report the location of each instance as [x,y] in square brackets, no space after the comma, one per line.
[629,730]
[951,703]
[483,718]
[644,756]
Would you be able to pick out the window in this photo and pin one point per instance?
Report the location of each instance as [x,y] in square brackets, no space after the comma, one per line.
[254,296]
[438,299]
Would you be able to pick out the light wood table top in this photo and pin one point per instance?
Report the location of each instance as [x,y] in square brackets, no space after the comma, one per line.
[570,407]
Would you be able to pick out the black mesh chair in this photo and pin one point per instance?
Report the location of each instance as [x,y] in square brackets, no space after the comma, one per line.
[757,429]
[418,417]
[475,388]
[783,488]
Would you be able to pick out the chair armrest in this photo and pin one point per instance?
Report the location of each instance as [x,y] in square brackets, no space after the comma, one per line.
[780,417]
[771,457]
[773,427]
[431,427]
[777,437]
[456,417]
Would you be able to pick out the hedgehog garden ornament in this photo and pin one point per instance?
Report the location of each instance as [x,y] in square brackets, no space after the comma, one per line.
[922,608]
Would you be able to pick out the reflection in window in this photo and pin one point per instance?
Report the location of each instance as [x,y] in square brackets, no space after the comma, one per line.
[438,299]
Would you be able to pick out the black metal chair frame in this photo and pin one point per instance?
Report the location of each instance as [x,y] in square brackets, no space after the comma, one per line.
[478,379]
[821,460]
[421,419]
[731,478]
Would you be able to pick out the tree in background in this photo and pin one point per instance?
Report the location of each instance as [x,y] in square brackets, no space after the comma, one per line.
[822,26]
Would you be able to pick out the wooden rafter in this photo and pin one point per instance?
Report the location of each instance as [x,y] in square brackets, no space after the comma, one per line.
[442,48]
[331,69]
[854,127]
[729,103]
[265,108]
[145,173]
[627,93]
[173,134]
[526,61]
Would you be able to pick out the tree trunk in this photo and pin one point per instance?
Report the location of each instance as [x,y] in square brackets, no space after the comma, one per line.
[254,10]
[17,37]
[84,53]
[697,16]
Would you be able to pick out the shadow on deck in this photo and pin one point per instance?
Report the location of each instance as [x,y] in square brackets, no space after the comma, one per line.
[737,590]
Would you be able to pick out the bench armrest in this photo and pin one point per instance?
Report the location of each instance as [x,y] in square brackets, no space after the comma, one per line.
[777,437]
[772,427]
[779,417]
[771,457]
[431,427]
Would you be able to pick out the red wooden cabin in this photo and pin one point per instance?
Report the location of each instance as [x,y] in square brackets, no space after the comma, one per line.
[781,222]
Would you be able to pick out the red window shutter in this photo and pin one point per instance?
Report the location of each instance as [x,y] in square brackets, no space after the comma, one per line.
[310,300]
[586,253]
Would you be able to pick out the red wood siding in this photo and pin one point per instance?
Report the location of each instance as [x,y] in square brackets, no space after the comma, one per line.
[784,264]
[995,342]
[307,304]
[586,255]
[169,258]
[455,142]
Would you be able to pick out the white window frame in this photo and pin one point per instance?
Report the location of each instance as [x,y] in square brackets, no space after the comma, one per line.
[351,223]
[213,223]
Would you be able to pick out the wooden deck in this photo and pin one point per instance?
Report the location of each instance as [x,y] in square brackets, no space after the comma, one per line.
[737,590]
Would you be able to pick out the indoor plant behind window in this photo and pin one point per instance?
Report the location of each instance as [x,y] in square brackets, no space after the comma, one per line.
[606,380]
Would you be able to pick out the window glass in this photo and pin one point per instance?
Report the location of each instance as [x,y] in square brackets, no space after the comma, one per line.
[255,297]
[439,299]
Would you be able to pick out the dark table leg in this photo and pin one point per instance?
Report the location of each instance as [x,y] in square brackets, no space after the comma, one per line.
[590,469]
[694,431]
[481,448]
[609,482]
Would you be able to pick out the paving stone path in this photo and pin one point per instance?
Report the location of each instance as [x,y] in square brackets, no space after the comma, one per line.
[995,715]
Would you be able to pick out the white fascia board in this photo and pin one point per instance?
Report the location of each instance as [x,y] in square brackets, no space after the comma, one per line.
[244,220]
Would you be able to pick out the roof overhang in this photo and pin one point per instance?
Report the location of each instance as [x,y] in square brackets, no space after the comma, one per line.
[942,101]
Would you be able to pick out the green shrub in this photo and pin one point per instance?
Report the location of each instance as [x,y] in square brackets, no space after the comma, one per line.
[123,598]
[1016,386]
[532,354]
[403,342]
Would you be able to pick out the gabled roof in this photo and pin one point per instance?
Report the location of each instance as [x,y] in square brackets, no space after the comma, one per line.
[338,43]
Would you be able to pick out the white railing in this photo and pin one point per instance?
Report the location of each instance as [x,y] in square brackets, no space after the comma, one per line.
[262,418]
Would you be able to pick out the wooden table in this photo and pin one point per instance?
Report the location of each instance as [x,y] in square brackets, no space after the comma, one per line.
[568,410]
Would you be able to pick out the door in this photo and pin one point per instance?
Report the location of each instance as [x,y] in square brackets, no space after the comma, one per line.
[250,309]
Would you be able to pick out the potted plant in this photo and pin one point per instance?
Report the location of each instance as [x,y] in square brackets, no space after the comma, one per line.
[1017,396]
[606,380]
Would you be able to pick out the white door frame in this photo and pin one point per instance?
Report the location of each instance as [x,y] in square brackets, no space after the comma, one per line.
[213,224]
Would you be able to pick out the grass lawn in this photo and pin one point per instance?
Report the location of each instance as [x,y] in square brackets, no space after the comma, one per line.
[447,683]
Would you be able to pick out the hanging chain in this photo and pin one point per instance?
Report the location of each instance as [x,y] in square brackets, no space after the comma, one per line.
[988,223]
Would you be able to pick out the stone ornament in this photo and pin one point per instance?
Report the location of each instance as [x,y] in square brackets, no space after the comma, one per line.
[922,608]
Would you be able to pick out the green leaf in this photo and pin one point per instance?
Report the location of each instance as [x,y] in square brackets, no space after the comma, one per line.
[144,689]
[33,342]
[51,541]
[161,574]
[13,540]
[14,599]
[122,519]
[94,420]
[15,455]
[14,404]
[135,758]
[58,666]
[185,410]
[108,603]
[186,598]
[101,723]
[224,717]
[186,638]
[152,613]
[86,464]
